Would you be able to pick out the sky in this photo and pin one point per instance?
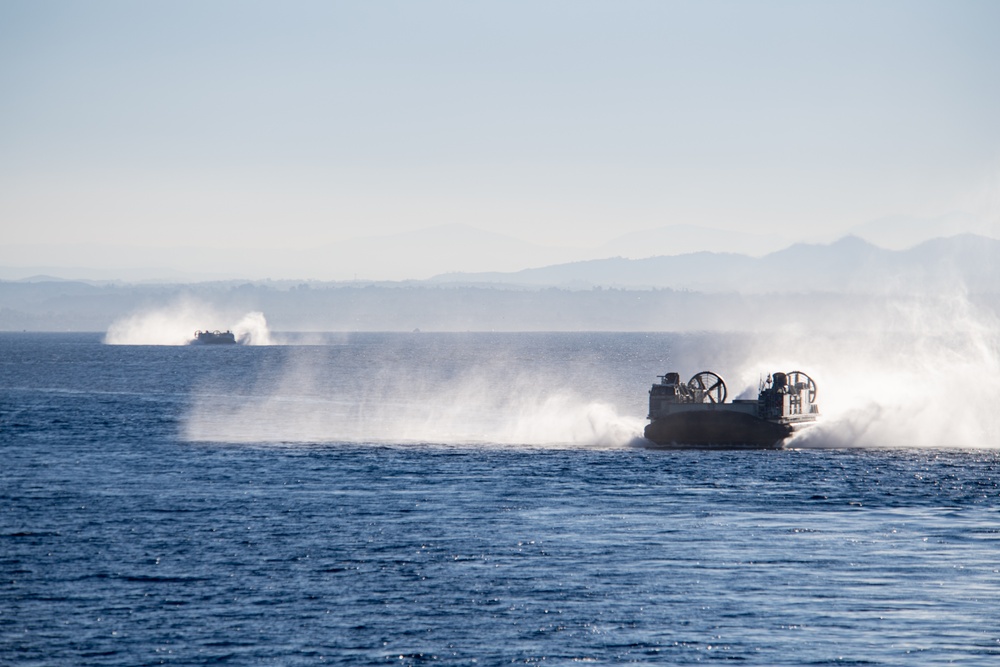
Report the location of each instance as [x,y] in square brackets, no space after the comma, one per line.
[283,126]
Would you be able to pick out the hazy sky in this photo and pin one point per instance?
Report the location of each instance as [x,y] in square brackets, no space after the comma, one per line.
[294,124]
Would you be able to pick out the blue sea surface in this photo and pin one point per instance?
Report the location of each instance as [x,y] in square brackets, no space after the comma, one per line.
[130,537]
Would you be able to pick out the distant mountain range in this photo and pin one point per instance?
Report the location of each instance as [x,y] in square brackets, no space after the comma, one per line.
[847,285]
[432,251]
[850,265]
[901,232]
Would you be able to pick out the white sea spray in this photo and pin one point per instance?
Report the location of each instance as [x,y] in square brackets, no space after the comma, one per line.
[177,322]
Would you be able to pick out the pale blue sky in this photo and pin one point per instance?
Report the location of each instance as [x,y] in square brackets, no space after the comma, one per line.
[294,124]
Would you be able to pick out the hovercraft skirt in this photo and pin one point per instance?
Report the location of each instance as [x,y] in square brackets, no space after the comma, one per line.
[716,429]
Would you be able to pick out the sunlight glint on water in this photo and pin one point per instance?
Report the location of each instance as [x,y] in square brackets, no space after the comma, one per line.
[125,541]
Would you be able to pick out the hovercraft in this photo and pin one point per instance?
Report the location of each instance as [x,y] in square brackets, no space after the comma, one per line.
[695,414]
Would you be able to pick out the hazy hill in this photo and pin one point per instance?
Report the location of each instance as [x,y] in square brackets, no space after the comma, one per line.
[849,265]
[69,306]
[429,252]
[849,283]
[681,239]
[900,232]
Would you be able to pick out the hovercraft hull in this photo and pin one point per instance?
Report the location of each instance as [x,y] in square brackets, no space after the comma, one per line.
[214,338]
[719,429]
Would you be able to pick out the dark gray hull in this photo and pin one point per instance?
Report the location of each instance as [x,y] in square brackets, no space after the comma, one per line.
[214,338]
[719,429]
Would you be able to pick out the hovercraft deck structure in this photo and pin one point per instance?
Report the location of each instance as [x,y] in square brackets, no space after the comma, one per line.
[214,338]
[696,415]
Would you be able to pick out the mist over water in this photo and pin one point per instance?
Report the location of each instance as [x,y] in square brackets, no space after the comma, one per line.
[176,324]
[932,379]
[147,548]
[489,403]
[911,393]
[927,375]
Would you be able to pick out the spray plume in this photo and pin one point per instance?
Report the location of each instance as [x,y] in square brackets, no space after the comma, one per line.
[927,374]
[483,405]
[175,324]
[929,378]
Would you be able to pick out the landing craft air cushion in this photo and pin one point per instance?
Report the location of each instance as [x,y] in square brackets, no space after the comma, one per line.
[695,414]
[214,338]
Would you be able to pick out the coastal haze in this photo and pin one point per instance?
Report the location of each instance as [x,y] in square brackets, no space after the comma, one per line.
[457,243]
[448,167]
[182,141]
[811,177]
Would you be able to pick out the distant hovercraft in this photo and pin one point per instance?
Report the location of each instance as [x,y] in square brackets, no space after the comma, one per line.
[696,414]
[214,338]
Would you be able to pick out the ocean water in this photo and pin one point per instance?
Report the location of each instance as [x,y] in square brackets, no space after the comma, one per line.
[466,499]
